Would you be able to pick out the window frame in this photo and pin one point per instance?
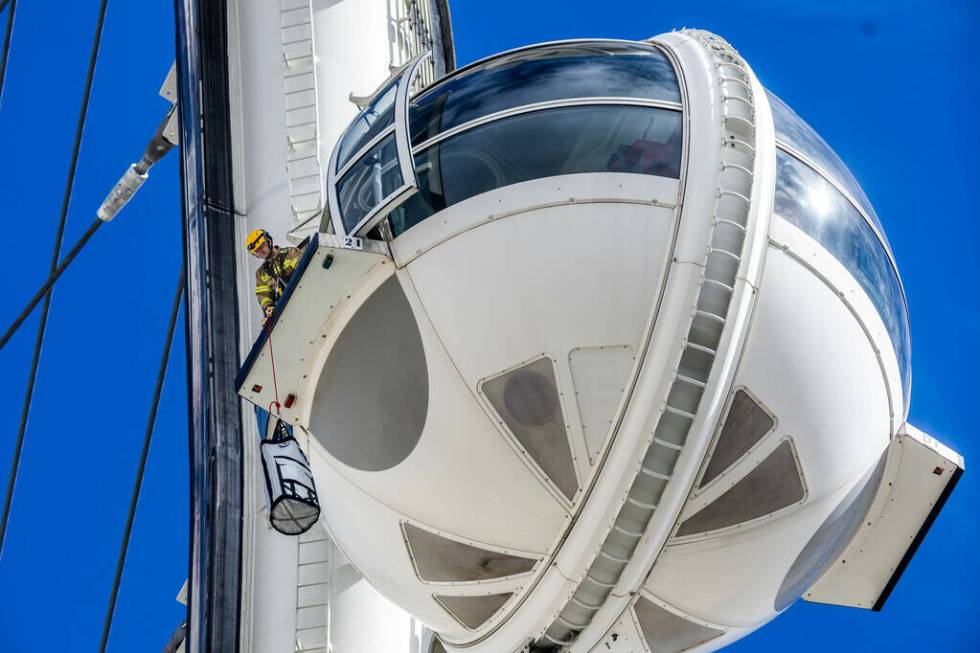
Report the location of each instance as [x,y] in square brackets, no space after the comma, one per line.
[544,106]
[406,77]
[553,105]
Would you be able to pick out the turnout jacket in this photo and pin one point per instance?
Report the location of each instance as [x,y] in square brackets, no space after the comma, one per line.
[274,273]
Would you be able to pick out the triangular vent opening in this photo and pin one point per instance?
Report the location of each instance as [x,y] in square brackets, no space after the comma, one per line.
[473,611]
[439,559]
[527,401]
[774,484]
[667,632]
[746,423]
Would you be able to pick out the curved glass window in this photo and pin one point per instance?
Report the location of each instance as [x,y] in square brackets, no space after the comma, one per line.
[813,204]
[797,134]
[376,176]
[555,72]
[546,143]
[379,115]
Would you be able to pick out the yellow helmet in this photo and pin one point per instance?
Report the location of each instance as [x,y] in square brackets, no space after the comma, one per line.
[256,238]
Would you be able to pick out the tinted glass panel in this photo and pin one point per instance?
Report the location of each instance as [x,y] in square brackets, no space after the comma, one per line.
[542,144]
[378,115]
[373,178]
[811,203]
[554,72]
[795,132]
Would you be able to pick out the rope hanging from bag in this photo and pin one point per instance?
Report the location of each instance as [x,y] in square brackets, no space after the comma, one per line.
[272,359]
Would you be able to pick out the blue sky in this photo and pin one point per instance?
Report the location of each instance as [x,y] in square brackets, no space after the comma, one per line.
[892,86]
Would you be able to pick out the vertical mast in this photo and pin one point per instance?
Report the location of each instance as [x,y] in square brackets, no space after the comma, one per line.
[212,327]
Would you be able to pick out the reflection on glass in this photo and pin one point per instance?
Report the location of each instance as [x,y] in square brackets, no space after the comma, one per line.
[796,133]
[554,72]
[546,143]
[374,177]
[806,199]
[378,115]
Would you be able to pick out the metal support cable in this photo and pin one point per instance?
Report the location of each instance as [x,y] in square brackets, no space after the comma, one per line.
[6,41]
[66,201]
[46,287]
[147,438]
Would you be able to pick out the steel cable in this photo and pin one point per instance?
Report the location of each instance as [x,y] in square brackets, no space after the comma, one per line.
[6,40]
[137,486]
[43,291]
[39,341]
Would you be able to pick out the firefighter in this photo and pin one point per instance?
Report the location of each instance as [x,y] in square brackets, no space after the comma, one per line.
[277,267]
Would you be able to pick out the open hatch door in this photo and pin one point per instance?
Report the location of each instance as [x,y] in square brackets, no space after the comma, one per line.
[920,473]
[334,277]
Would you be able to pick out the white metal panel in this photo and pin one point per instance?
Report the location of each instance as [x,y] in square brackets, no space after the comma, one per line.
[732,580]
[370,535]
[545,281]
[918,471]
[600,376]
[585,188]
[623,637]
[462,477]
[809,253]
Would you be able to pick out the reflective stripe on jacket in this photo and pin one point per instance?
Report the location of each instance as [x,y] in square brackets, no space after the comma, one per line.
[274,273]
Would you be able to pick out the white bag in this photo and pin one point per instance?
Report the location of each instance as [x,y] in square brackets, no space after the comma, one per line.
[293,503]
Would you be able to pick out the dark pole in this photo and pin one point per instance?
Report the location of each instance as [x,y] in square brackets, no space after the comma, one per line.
[215,431]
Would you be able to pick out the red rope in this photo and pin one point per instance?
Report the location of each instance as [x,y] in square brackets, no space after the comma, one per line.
[272,359]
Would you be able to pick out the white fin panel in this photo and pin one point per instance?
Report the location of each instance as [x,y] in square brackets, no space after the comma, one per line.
[600,376]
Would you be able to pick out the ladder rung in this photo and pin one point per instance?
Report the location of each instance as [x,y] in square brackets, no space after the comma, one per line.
[571,624]
[641,504]
[737,80]
[738,141]
[720,284]
[581,603]
[695,346]
[738,167]
[678,411]
[738,98]
[724,252]
[556,642]
[626,531]
[735,194]
[653,474]
[688,380]
[599,582]
[732,116]
[668,445]
[710,316]
[737,225]
[609,556]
